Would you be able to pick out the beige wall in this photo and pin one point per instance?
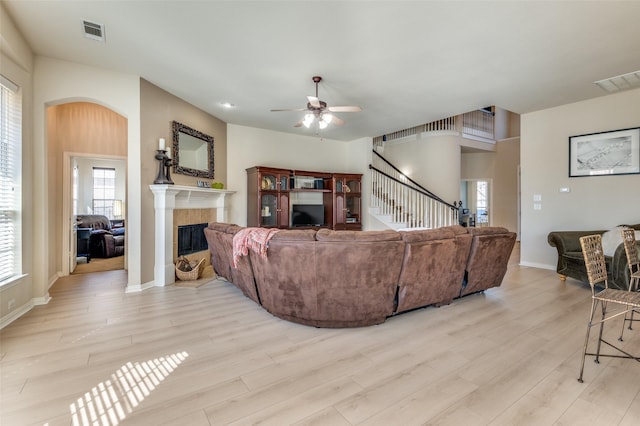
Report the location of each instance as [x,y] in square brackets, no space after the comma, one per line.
[501,168]
[598,202]
[158,108]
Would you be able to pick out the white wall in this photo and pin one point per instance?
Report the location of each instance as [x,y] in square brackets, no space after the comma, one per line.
[57,82]
[248,147]
[594,202]
[432,161]
[16,64]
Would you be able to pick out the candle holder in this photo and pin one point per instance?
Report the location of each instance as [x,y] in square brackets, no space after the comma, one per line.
[162,158]
[168,162]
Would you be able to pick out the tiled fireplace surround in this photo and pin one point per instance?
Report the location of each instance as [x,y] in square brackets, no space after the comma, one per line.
[177,205]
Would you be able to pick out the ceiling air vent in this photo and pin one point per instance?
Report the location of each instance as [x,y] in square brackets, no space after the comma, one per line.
[93,31]
[622,82]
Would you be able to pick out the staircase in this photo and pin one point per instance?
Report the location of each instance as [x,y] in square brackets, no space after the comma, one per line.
[400,203]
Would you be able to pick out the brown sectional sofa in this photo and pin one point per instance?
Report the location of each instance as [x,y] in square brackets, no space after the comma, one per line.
[327,278]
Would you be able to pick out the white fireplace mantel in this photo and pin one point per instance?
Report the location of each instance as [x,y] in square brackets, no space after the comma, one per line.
[167,198]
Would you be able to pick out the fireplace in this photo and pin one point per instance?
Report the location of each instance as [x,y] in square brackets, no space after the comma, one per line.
[191,238]
[166,199]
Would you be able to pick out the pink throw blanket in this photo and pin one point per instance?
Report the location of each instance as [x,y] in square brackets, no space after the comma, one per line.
[256,239]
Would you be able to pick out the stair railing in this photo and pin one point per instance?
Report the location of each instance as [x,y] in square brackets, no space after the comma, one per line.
[406,202]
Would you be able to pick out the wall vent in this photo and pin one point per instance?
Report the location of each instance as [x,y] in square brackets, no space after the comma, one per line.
[622,82]
[93,30]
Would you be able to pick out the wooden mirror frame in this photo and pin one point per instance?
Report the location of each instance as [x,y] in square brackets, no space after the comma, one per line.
[179,128]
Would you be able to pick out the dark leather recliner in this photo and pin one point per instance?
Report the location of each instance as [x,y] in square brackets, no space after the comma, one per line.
[104,241]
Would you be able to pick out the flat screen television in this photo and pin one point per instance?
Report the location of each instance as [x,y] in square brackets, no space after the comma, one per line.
[307,215]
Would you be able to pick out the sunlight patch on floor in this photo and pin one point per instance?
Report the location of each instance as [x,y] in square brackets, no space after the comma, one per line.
[110,401]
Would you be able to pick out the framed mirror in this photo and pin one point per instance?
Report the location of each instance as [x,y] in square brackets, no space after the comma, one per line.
[192,151]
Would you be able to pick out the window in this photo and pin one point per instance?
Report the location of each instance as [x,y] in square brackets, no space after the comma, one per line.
[104,191]
[10,179]
[482,202]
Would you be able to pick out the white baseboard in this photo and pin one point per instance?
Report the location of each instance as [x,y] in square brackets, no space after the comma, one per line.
[15,314]
[538,265]
[139,288]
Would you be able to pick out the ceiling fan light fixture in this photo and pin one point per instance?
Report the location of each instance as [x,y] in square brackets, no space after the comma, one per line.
[308,119]
[319,111]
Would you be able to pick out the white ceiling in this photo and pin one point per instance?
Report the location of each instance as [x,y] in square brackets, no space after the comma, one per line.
[404,63]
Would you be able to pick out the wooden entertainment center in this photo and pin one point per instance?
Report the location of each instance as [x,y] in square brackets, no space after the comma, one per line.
[282,198]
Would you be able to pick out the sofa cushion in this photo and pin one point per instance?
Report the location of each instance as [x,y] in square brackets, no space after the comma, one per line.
[93,221]
[426,235]
[295,235]
[363,236]
[223,227]
[488,230]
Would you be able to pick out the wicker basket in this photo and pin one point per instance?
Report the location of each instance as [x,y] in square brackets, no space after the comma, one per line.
[193,274]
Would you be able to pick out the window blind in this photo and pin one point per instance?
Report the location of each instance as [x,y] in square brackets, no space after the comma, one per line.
[10,179]
[104,191]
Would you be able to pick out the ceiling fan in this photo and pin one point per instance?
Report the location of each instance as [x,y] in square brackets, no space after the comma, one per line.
[318,111]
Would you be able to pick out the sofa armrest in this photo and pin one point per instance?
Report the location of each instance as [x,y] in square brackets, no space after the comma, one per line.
[567,241]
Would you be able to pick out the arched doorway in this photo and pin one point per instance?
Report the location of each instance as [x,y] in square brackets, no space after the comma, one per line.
[78,130]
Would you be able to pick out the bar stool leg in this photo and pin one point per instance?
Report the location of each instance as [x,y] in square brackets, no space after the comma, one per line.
[586,339]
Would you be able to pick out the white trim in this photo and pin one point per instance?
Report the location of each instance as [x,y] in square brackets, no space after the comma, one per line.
[42,300]
[142,287]
[67,200]
[478,138]
[16,313]
[9,84]
[538,265]
[11,281]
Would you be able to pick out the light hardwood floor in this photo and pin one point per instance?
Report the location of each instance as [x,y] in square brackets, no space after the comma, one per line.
[210,356]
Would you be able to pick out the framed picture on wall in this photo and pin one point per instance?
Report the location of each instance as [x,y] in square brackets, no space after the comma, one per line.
[616,152]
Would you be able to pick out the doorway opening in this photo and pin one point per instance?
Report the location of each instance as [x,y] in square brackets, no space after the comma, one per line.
[475,195]
[82,133]
[98,206]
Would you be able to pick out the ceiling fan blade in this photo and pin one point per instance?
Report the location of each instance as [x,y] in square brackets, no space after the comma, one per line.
[344,109]
[314,101]
[337,121]
[288,109]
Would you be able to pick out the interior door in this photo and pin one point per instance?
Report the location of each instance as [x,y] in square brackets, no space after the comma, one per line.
[73,237]
[73,245]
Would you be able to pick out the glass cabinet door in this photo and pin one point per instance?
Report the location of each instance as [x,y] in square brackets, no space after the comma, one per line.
[284,183]
[268,210]
[353,185]
[353,209]
[268,182]
[340,210]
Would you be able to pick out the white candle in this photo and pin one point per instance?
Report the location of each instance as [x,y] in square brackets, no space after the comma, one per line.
[161,144]
[169,153]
